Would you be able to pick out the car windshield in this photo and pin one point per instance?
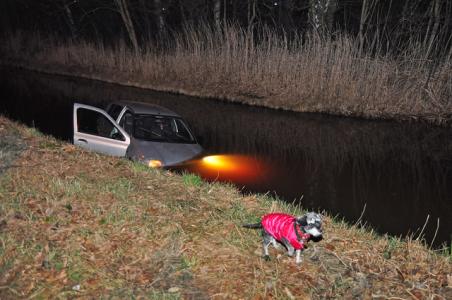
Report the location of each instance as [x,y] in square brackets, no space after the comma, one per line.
[161,129]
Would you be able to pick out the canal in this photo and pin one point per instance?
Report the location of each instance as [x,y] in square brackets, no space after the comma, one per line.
[396,175]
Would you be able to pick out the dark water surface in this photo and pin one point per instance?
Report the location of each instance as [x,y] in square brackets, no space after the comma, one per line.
[401,172]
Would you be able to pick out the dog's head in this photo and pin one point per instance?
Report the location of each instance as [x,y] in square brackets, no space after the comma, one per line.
[311,223]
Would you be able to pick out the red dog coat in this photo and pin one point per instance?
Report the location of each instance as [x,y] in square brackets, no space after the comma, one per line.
[281,226]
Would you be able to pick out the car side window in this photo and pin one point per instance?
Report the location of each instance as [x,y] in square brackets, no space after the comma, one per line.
[95,123]
[182,131]
[126,122]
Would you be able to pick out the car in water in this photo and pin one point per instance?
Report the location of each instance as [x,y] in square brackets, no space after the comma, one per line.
[148,133]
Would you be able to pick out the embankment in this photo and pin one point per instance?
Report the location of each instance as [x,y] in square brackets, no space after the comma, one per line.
[78,224]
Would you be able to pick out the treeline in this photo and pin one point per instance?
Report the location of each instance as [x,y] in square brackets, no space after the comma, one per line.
[385,25]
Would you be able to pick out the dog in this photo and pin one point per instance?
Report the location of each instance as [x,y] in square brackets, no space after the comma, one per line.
[293,232]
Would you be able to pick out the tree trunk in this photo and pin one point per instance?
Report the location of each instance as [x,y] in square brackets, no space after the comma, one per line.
[125,15]
[285,14]
[225,4]
[144,8]
[331,9]
[234,11]
[70,20]
[183,15]
[314,18]
[217,13]
[159,16]
[321,14]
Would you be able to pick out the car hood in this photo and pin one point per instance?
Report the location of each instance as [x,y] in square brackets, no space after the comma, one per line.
[169,154]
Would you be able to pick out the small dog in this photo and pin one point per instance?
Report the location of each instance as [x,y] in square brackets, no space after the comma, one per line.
[292,232]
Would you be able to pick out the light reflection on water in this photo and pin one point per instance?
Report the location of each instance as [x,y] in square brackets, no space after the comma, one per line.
[234,168]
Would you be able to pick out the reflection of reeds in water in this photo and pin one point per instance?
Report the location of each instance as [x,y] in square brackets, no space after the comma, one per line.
[339,164]
[305,74]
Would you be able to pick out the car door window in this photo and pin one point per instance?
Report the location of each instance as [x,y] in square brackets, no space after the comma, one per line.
[114,111]
[95,123]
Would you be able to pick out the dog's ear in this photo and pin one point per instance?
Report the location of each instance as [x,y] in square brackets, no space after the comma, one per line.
[313,218]
[302,221]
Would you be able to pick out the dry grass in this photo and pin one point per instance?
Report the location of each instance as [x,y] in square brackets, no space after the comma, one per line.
[74,223]
[306,74]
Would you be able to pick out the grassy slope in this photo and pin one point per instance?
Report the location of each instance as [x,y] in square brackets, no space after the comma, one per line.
[74,223]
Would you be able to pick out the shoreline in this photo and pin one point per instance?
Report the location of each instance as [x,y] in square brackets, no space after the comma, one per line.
[431,120]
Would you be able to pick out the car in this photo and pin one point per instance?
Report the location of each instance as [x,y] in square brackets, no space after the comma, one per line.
[148,133]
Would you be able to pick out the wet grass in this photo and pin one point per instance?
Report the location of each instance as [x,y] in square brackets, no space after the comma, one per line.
[78,224]
[192,179]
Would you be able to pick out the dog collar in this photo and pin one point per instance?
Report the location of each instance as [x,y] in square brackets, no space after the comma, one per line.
[301,235]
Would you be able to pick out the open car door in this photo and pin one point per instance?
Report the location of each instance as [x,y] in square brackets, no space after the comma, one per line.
[95,130]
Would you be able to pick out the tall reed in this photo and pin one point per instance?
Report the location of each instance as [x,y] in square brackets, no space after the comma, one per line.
[305,73]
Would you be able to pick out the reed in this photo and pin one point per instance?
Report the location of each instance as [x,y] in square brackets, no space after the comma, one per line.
[305,73]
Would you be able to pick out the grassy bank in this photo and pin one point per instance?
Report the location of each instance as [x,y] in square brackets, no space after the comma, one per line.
[74,223]
[306,74]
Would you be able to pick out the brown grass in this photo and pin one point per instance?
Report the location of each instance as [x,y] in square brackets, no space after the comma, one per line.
[74,223]
[306,74]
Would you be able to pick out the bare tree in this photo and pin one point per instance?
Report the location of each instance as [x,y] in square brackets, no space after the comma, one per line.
[127,20]
[252,14]
[225,5]
[158,15]
[285,13]
[321,14]
[193,11]
[144,12]
[331,9]
[69,17]
[217,13]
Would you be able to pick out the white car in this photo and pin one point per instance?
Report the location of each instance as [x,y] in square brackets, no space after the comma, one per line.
[144,132]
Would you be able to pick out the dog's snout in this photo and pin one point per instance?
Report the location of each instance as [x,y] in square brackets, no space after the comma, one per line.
[314,230]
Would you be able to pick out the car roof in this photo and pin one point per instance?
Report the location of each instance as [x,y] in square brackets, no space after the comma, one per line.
[147,108]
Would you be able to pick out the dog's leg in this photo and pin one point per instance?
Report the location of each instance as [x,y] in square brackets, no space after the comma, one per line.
[290,248]
[267,240]
[298,256]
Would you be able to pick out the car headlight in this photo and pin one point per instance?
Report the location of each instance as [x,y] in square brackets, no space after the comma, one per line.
[155,163]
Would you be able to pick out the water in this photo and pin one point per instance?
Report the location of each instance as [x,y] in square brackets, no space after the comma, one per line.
[400,172]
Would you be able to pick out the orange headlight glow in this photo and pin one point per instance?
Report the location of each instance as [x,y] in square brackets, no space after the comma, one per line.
[220,162]
[229,167]
[153,163]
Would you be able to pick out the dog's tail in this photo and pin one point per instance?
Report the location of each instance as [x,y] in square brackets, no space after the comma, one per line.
[253,226]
